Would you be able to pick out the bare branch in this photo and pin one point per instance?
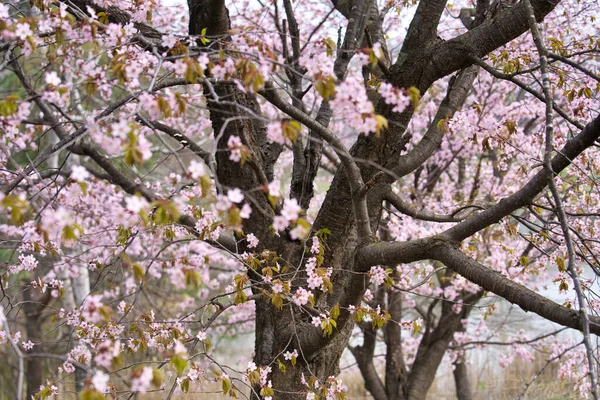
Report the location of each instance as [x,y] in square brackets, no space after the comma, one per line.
[515,293]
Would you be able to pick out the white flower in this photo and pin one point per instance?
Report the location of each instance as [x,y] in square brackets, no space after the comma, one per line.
[3,11]
[245,211]
[252,240]
[223,203]
[23,31]
[277,288]
[378,275]
[100,381]
[299,232]
[301,296]
[120,129]
[279,223]
[135,204]
[274,189]
[201,336]
[289,355]
[28,346]
[196,169]
[290,210]
[235,195]
[79,173]
[234,143]
[143,381]
[52,78]
[275,133]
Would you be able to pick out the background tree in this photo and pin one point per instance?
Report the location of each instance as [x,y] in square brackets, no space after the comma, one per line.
[163,184]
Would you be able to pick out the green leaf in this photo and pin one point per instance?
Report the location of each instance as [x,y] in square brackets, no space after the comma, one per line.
[325,86]
[157,378]
[226,385]
[563,285]
[323,233]
[281,365]
[192,278]
[335,311]
[204,40]
[415,96]
[103,18]
[185,385]
[105,312]
[43,394]
[382,123]
[291,129]
[524,261]
[138,272]
[240,298]
[89,394]
[8,106]
[561,264]
[180,364]
[330,46]
[277,301]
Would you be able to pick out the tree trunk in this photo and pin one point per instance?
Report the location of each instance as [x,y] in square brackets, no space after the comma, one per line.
[434,345]
[461,379]
[33,326]
[81,289]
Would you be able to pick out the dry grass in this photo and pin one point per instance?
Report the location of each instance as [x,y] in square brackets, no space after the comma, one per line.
[490,382]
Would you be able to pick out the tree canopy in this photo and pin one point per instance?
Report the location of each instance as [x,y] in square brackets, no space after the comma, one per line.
[351,175]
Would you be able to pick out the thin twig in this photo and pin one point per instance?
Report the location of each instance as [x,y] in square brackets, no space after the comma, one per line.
[560,211]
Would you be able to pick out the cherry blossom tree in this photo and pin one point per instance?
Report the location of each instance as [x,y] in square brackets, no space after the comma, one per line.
[349,175]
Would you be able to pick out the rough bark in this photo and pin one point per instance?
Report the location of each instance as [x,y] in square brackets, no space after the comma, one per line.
[423,60]
[434,345]
[33,306]
[364,358]
[461,379]
[395,368]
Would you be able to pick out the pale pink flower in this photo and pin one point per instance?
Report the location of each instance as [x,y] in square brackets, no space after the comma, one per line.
[280,223]
[142,382]
[245,211]
[79,173]
[275,133]
[291,209]
[23,31]
[299,232]
[277,288]
[301,296]
[377,275]
[28,345]
[196,169]
[100,381]
[52,78]
[235,195]
[252,240]
[289,355]
[135,204]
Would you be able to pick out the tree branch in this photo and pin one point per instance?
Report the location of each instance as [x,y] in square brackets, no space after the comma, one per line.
[359,202]
[586,138]
[515,293]
[423,215]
